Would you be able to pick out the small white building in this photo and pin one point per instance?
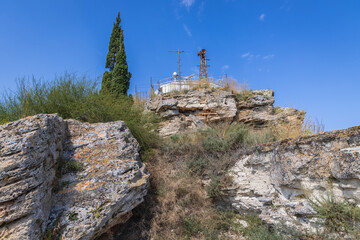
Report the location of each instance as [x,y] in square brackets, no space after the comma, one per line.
[182,84]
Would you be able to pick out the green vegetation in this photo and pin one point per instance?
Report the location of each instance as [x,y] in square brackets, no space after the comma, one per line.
[117,80]
[73,216]
[78,98]
[66,165]
[335,215]
[210,151]
[65,183]
[243,95]
[96,211]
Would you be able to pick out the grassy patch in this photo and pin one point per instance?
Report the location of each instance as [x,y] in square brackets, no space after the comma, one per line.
[67,165]
[243,95]
[337,215]
[191,226]
[78,98]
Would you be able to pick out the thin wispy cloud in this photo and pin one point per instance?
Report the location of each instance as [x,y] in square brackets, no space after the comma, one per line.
[245,55]
[262,17]
[187,3]
[187,30]
[267,57]
[225,67]
[250,57]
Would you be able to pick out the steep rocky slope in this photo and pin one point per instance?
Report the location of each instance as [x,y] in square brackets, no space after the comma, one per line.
[42,194]
[275,179]
[198,108]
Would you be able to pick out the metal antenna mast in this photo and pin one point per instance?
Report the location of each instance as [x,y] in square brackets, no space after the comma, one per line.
[179,52]
[203,65]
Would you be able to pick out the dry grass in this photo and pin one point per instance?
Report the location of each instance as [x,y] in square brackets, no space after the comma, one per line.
[188,175]
[231,84]
[291,130]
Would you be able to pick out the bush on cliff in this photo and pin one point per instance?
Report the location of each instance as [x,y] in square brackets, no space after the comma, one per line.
[78,98]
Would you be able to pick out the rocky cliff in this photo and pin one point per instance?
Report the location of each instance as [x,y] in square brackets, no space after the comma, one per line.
[198,108]
[66,178]
[275,180]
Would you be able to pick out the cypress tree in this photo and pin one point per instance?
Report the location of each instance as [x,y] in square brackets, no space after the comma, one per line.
[117,79]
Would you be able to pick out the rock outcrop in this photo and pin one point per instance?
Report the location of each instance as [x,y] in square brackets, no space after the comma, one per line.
[42,194]
[197,108]
[28,152]
[274,179]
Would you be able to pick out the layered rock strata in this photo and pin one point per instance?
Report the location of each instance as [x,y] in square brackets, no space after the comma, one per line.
[42,194]
[276,179]
[198,108]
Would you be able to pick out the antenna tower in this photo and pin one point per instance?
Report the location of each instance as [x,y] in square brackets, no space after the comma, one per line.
[179,52]
[203,65]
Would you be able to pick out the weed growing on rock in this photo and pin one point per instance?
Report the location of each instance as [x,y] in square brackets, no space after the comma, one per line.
[73,216]
[96,211]
[335,215]
[67,165]
[243,95]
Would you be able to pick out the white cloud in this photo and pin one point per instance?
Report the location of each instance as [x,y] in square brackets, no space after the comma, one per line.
[187,31]
[187,3]
[262,17]
[245,55]
[225,67]
[267,57]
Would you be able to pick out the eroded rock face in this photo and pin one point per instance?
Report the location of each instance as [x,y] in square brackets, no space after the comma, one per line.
[183,112]
[28,152]
[274,180]
[35,198]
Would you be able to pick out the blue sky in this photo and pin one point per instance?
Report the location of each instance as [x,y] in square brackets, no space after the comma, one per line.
[308,51]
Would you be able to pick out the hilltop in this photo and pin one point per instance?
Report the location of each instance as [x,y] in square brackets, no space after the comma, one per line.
[206,163]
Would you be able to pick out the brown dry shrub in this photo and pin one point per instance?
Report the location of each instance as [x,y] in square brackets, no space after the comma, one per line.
[291,130]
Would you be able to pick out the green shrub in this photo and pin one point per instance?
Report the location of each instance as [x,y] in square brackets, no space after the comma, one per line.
[214,188]
[78,98]
[191,226]
[213,144]
[198,164]
[243,95]
[259,137]
[336,215]
[257,230]
[66,165]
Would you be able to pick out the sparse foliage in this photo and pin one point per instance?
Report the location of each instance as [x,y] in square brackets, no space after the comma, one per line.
[337,215]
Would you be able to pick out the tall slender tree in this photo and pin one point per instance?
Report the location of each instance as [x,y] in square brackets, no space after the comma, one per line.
[117,79]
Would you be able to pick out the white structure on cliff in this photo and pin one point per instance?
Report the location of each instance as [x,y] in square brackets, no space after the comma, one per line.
[186,83]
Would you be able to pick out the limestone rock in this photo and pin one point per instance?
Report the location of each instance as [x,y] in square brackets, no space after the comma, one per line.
[28,151]
[34,197]
[258,98]
[258,111]
[182,112]
[215,105]
[180,124]
[274,178]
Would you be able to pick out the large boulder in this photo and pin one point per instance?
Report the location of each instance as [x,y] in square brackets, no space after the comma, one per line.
[66,178]
[274,179]
[29,149]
